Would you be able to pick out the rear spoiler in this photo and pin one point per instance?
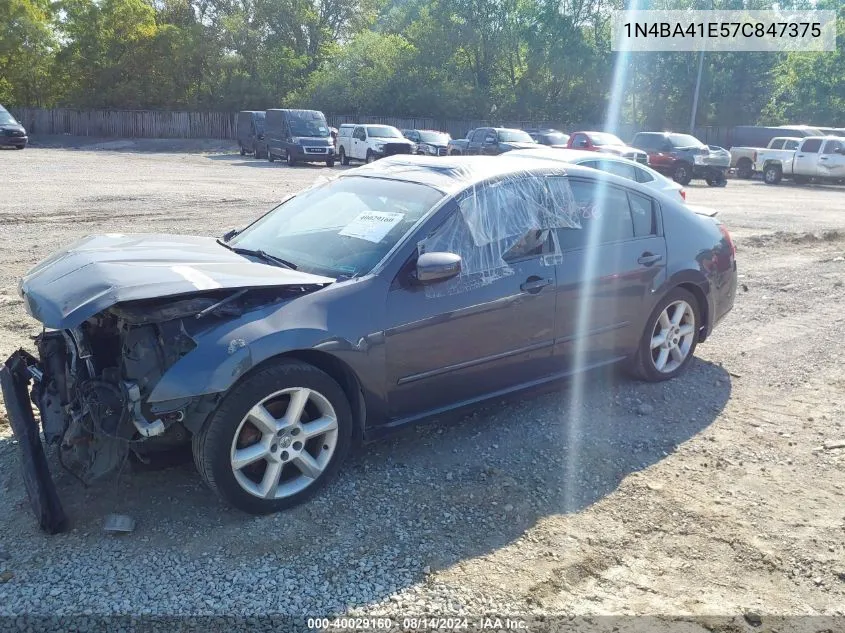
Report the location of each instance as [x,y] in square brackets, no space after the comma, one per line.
[710,213]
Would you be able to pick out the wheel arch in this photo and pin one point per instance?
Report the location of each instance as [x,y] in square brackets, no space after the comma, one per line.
[703,307]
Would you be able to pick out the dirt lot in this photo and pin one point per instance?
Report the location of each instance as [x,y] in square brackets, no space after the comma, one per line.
[709,495]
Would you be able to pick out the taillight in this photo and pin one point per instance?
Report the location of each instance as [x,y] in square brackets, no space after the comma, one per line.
[683,194]
[728,239]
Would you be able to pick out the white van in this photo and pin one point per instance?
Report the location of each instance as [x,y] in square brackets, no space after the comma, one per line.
[370,141]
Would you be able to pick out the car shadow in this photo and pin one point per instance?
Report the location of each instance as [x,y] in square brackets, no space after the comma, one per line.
[440,493]
[236,160]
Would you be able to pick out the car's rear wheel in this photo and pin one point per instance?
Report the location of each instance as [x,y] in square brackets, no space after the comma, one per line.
[682,174]
[744,168]
[270,156]
[291,160]
[276,438]
[343,159]
[670,337]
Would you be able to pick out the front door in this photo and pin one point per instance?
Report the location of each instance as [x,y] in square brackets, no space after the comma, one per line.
[359,143]
[807,158]
[486,330]
[609,267]
[832,160]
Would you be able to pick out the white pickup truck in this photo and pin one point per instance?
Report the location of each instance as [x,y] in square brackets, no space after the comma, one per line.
[819,158]
[743,159]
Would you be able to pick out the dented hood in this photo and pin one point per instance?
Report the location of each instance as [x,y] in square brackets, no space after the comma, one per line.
[100,271]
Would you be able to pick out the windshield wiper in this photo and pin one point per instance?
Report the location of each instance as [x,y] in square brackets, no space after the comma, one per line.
[260,253]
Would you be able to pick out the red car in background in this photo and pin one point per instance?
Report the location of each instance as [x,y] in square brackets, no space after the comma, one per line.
[607,143]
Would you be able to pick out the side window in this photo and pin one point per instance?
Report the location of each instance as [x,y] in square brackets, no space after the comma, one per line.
[791,145]
[812,146]
[490,138]
[478,136]
[592,164]
[580,141]
[603,211]
[642,212]
[359,134]
[618,169]
[831,147]
[643,175]
[777,144]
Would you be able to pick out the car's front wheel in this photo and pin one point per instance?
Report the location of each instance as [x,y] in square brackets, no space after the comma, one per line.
[343,159]
[277,437]
[682,174]
[670,337]
[772,174]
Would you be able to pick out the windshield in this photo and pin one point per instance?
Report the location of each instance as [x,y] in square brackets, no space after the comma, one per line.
[554,138]
[434,137]
[515,136]
[307,123]
[340,229]
[601,138]
[6,118]
[383,131]
[684,140]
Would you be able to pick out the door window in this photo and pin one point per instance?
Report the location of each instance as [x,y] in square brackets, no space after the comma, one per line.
[812,146]
[643,175]
[833,147]
[360,134]
[603,211]
[478,136]
[777,144]
[618,169]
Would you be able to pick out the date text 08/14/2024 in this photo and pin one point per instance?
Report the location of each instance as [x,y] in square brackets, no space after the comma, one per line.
[417,624]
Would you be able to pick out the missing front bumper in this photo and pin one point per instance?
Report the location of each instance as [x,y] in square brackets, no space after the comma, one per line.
[15,376]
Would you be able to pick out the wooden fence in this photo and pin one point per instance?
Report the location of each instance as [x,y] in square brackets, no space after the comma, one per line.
[221,125]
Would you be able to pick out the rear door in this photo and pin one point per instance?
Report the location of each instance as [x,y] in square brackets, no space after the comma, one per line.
[607,273]
[807,157]
[832,160]
[476,141]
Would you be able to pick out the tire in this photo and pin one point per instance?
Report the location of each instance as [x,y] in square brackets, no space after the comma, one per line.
[370,157]
[291,160]
[330,163]
[215,446]
[270,156]
[20,146]
[719,181]
[744,168]
[772,174]
[645,364]
[682,174]
[343,159]
[243,151]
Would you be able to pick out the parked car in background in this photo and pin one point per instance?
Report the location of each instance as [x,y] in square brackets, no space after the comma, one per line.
[615,165]
[818,158]
[456,146]
[492,141]
[832,131]
[428,142]
[370,142]
[606,143]
[250,128]
[548,137]
[386,296]
[299,136]
[683,157]
[743,159]
[12,133]
[759,136]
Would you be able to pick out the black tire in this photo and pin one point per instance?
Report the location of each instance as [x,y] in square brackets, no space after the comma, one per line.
[371,158]
[212,445]
[744,168]
[642,365]
[290,158]
[772,174]
[330,162]
[20,146]
[718,181]
[343,159]
[243,151]
[270,156]
[682,173]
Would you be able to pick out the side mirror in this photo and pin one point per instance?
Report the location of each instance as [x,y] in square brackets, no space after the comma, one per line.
[839,150]
[433,267]
[230,234]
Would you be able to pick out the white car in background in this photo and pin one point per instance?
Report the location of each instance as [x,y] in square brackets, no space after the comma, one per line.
[612,164]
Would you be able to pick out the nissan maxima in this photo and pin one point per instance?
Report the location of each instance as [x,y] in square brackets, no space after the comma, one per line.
[387,295]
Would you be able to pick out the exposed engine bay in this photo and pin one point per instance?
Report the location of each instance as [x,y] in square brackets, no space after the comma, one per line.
[91,383]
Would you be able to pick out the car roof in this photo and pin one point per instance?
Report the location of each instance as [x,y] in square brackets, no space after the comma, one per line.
[572,155]
[452,174]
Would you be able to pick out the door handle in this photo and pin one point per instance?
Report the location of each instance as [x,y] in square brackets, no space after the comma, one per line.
[534,284]
[823,158]
[647,259]
[800,155]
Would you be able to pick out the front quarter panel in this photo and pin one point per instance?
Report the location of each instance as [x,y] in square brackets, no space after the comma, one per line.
[342,320]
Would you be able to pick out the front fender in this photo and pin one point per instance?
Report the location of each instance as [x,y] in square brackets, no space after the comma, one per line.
[227,352]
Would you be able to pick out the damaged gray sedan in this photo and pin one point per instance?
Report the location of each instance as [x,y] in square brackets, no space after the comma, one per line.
[390,294]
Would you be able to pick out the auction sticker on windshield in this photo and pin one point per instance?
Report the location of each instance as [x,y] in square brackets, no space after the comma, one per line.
[372,226]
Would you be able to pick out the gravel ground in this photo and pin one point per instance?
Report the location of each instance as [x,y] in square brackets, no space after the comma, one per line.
[709,495]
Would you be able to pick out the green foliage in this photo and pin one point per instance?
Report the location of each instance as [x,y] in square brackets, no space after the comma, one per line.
[541,60]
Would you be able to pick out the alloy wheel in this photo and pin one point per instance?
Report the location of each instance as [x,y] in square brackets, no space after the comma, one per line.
[284,443]
[673,336]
